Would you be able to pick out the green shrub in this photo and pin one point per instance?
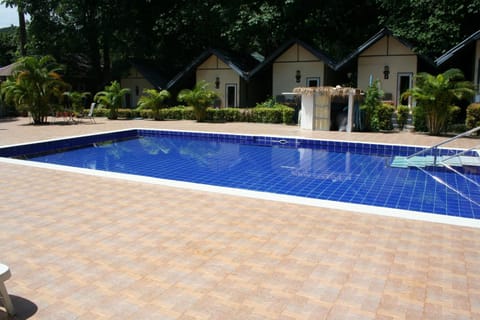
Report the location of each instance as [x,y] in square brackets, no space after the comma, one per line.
[457,128]
[224,114]
[419,119]
[269,103]
[473,116]
[215,115]
[176,113]
[288,114]
[402,116]
[173,113]
[454,114]
[189,113]
[454,119]
[233,114]
[371,103]
[279,113]
[98,112]
[267,115]
[384,114]
[146,113]
[126,113]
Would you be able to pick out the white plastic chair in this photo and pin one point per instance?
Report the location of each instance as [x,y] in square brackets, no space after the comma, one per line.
[5,275]
[90,112]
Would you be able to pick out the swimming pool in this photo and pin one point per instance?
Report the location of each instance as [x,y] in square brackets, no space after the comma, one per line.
[340,172]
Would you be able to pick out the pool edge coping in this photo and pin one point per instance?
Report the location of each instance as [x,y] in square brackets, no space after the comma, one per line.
[345,206]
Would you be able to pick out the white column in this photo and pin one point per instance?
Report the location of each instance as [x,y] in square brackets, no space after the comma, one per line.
[350,111]
[307,112]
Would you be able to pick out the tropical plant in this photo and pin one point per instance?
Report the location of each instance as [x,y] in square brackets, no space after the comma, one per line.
[419,119]
[473,116]
[200,98]
[384,114]
[75,100]
[373,100]
[154,100]
[402,116]
[111,98]
[435,95]
[35,86]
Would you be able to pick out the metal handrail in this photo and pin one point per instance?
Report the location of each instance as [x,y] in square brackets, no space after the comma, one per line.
[461,153]
[466,133]
[461,174]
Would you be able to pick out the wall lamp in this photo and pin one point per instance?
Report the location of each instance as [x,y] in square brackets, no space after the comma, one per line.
[217,82]
[386,72]
[298,76]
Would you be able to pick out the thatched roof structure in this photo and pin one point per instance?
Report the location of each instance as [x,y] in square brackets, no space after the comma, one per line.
[330,91]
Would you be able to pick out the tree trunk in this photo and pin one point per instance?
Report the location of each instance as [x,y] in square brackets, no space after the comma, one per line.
[23,31]
[106,59]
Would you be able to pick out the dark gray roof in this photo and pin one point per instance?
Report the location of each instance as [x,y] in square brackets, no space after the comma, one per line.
[150,72]
[277,53]
[379,35]
[450,53]
[241,64]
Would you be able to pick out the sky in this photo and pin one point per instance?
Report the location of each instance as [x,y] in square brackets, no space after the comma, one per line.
[8,16]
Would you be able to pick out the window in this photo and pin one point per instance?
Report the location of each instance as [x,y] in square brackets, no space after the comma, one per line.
[313,82]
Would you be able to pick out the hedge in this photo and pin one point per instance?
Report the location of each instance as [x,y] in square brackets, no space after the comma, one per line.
[276,114]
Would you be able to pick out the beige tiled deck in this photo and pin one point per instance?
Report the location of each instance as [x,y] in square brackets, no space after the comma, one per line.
[85,247]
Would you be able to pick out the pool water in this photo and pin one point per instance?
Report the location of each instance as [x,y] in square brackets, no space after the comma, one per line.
[312,172]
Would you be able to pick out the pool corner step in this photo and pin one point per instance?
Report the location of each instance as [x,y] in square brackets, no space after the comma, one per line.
[430,161]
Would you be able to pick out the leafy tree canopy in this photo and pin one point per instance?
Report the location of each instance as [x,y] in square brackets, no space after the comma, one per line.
[92,36]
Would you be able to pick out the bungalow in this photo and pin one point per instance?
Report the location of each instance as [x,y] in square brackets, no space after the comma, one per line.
[140,76]
[389,59]
[6,71]
[297,64]
[466,57]
[228,76]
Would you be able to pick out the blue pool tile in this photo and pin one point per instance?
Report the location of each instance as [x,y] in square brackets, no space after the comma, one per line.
[334,170]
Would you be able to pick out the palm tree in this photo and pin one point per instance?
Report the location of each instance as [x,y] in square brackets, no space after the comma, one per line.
[200,97]
[75,100]
[35,86]
[111,98]
[153,99]
[435,95]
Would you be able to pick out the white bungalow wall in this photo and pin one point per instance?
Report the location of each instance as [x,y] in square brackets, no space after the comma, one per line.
[214,67]
[390,52]
[286,66]
[136,83]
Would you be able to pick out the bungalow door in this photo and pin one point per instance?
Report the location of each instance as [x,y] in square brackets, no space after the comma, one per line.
[404,82]
[230,95]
